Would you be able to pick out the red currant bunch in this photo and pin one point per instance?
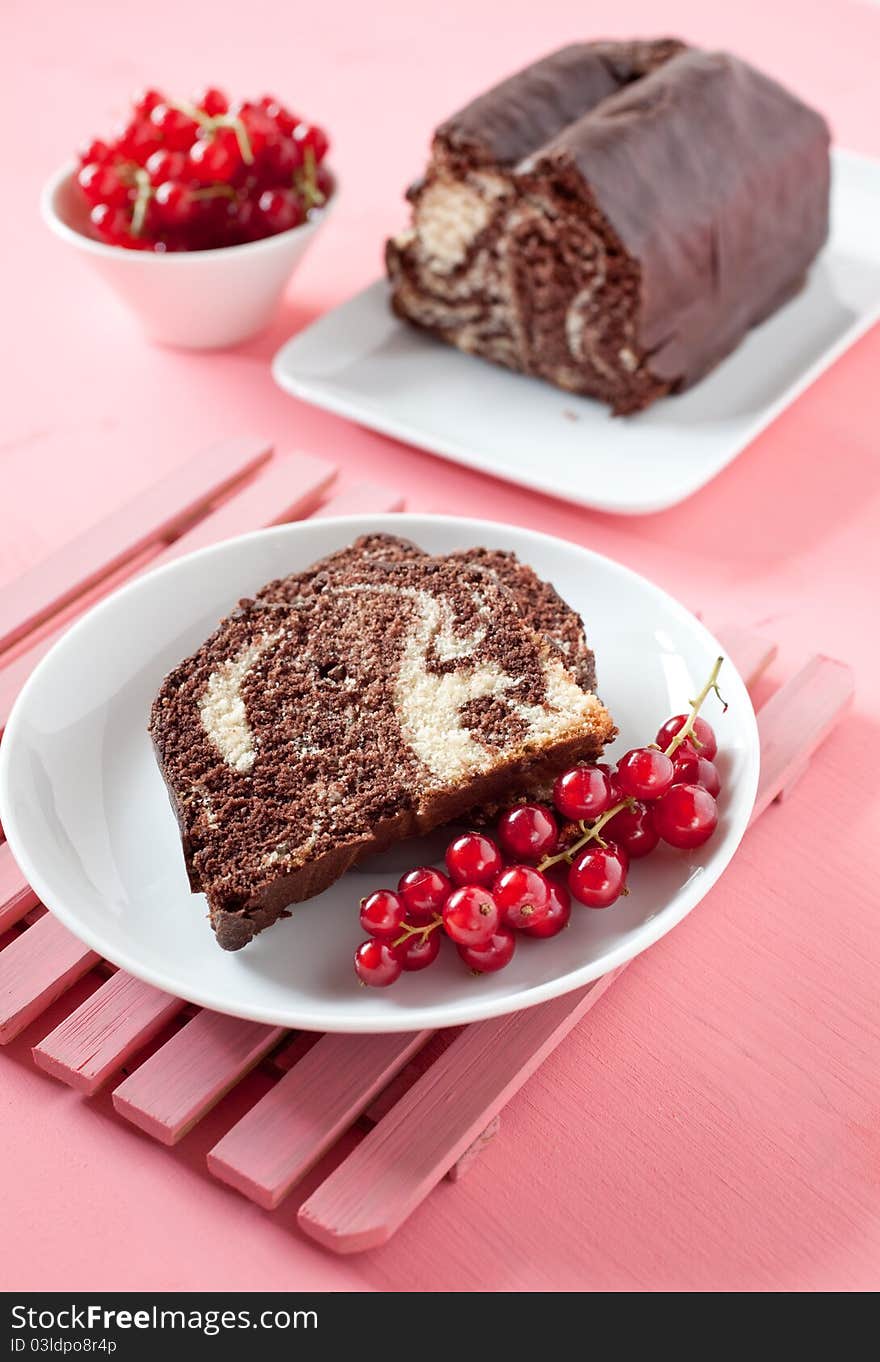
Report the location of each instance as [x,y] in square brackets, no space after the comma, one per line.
[522,881]
[203,174]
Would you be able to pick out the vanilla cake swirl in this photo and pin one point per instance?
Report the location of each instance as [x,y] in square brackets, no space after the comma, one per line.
[375,696]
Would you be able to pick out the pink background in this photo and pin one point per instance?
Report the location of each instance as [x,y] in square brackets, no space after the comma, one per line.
[716,1121]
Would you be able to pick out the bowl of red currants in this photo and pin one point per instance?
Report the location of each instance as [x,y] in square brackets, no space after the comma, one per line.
[197,213]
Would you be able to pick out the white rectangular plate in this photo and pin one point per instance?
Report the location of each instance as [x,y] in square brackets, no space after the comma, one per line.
[362,362]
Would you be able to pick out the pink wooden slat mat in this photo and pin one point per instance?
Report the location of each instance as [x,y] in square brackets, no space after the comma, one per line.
[182,1081]
[35,969]
[156,512]
[303,1115]
[16,895]
[328,1082]
[287,487]
[104,1031]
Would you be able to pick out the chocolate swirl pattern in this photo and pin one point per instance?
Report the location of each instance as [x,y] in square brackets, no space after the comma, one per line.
[375,696]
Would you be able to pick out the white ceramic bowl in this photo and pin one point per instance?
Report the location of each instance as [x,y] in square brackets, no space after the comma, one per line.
[198,300]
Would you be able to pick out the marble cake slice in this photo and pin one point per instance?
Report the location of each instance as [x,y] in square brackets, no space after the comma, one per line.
[375,696]
[615,217]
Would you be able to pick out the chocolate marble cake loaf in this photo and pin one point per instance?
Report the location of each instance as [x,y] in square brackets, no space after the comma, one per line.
[615,217]
[376,695]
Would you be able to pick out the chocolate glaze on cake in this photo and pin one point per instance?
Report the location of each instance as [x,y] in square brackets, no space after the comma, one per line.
[376,695]
[615,217]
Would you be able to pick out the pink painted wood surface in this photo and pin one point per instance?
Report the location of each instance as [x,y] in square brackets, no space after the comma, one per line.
[393,1091]
[16,895]
[476,1147]
[157,512]
[287,487]
[419,1064]
[17,665]
[35,969]
[371,1193]
[750,651]
[302,1116]
[173,1089]
[96,1040]
[797,720]
[365,498]
[297,1044]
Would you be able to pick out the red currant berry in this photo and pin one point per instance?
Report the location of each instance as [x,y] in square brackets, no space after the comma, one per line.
[686,816]
[611,772]
[418,952]
[279,210]
[597,876]
[424,892]
[492,955]
[243,221]
[175,204]
[473,859]
[138,141]
[557,916]
[706,743]
[281,160]
[97,150]
[144,103]
[470,915]
[584,792]
[178,130]
[111,223]
[376,964]
[693,770]
[528,832]
[685,749]
[324,182]
[212,102]
[101,183]
[645,773]
[215,159]
[634,830]
[166,165]
[257,125]
[281,117]
[309,135]
[382,914]
[523,895]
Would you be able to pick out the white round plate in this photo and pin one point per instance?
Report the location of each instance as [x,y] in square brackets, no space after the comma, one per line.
[88,820]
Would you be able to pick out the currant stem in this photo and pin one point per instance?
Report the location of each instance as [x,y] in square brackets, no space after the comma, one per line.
[241,134]
[309,189]
[211,122]
[144,194]
[591,832]
[215,191]
[687,729]
[192,111]
[424,932]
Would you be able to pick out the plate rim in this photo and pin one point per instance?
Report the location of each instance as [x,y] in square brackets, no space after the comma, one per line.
[321,395]
[463,1012]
